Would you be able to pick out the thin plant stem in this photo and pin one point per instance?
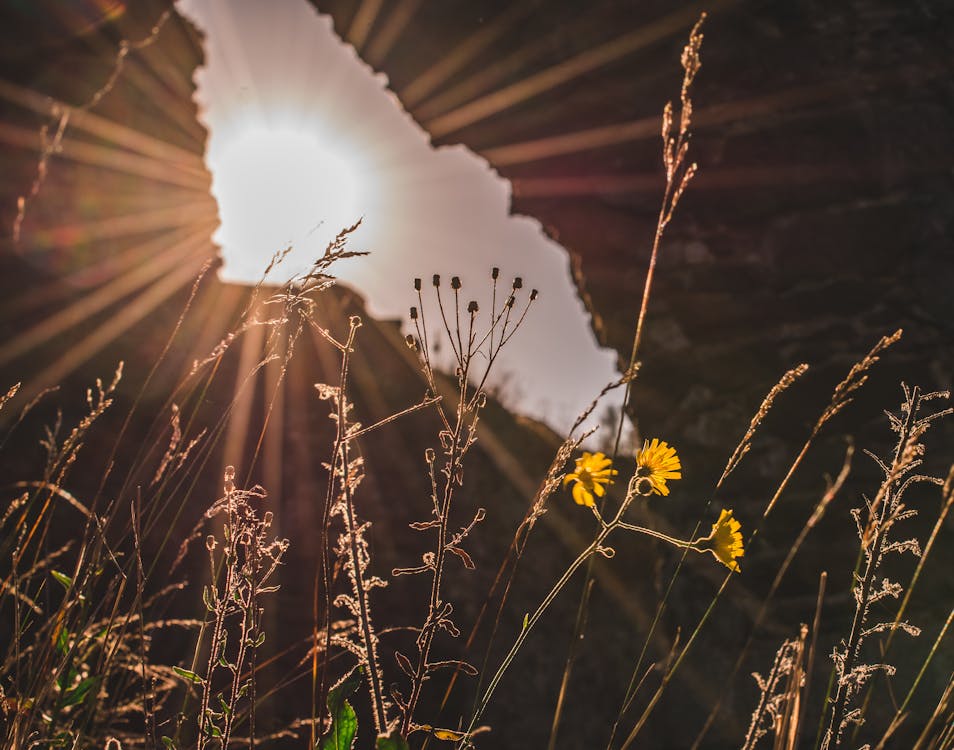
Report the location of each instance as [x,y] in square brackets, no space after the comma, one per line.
[596,546]
[900,713]
[814,518]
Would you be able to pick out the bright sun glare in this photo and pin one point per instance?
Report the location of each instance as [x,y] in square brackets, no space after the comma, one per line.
[304,134]
[281,187]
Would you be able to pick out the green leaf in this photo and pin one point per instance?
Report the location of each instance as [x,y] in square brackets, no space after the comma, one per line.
[78,694]
[188,675]
[393,741]
[61,578]
[62,641]
[168,742]
[344,721]
[344,727]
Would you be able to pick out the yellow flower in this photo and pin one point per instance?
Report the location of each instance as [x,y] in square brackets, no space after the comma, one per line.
[658,462]
[726,541]
[592,472]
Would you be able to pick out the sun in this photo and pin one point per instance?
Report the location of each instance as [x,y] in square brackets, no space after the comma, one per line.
[277,187]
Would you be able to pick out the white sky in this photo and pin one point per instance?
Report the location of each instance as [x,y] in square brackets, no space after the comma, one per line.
[304,134]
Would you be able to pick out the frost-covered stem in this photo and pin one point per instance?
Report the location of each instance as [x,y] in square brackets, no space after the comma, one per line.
[853,647]
[217,628]
[426,637]
[752,735]
[236,680]
[361,595]
[357,572]
[947,495]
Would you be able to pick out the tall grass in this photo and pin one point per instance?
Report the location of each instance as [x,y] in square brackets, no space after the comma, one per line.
[83,604]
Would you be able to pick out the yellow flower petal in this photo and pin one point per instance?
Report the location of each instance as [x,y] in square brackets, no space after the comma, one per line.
[591,474]
[658,462]
[581,496]
[726,538]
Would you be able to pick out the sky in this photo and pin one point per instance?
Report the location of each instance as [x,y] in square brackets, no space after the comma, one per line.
[305,138]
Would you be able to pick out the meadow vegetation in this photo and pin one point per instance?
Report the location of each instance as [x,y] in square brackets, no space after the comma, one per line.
[82,610]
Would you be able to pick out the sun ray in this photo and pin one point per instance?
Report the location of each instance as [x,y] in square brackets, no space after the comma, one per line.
[87,347]
[503,68]
[165,261]
[107,156]
[164,61]
[140,166]
[220,318]
[390,32]
[240,413]
[587,61]
[305,448]
[787,175]
[648,127]
[94,274]
[273,424]
[463,53]
[364,19]
[174,217]
[101,127]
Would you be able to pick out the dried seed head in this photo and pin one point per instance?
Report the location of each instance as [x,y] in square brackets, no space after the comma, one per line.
[533,294]
[455,282]
[417,284]
[355,321]
[413,313]
[494,273]
[472,306]
[518,283]
[411,343]
[510,300]
[436,280]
